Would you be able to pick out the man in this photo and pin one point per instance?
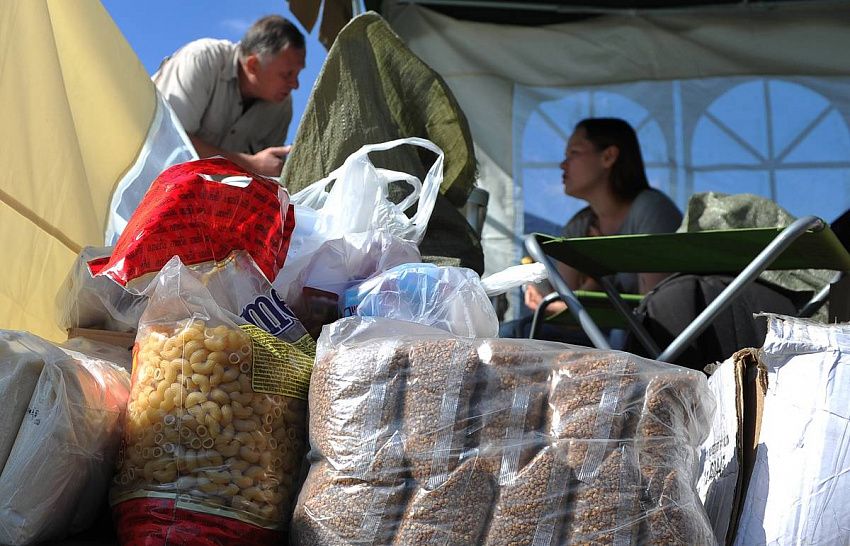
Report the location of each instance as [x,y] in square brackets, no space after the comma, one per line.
[234,99]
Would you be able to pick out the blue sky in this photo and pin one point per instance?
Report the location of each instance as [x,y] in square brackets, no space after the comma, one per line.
[156,28]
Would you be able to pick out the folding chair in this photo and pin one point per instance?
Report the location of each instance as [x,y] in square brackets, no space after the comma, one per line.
[808,243]
[597,304]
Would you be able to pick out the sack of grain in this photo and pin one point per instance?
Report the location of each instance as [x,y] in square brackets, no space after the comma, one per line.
[498,442]
[59,437]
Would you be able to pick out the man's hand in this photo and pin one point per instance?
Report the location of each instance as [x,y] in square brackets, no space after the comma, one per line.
[268,162]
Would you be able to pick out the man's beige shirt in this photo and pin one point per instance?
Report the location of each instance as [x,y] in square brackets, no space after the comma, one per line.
[200,82]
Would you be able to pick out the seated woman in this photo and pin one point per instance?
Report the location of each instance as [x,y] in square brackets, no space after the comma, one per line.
[604,167]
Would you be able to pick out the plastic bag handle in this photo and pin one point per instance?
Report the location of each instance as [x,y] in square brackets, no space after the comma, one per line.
[389,176]
[430,189]
[425,192]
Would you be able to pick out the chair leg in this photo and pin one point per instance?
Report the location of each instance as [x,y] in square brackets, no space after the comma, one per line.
[540,313]
[839,299]
[573,304]
[744,278]
[819,299]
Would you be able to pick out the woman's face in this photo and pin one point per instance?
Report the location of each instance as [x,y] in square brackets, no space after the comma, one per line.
[585,169]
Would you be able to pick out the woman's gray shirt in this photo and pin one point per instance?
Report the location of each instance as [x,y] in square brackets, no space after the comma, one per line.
[650,212]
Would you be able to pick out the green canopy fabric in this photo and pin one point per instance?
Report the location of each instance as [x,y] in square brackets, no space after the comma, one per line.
[703,252]
[372,89]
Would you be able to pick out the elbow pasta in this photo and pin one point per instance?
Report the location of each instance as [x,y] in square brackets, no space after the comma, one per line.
[195,426]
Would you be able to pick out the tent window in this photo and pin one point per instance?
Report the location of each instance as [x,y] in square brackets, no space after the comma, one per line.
[777,138]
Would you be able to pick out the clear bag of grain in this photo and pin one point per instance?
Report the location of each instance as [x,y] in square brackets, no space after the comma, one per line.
[337,508]
[510,403]
[454,512]
[435,415]
[215,430]
[531,505]
[501,441]
[370,381]
[672,417]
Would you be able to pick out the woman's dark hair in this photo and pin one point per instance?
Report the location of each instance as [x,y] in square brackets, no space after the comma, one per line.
[628,177]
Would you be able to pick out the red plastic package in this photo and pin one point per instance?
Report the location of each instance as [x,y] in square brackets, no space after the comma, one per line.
[202,211]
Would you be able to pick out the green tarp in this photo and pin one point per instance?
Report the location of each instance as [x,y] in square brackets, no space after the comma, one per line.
[372,89]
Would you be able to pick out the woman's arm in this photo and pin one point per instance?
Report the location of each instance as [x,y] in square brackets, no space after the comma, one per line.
[574,279]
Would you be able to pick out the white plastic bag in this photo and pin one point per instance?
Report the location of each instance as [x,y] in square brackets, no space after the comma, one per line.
[359,201]
[87,301]
[514,276]
[58,469]
[315,292]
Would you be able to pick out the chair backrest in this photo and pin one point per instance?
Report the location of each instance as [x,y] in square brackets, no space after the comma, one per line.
[475,209]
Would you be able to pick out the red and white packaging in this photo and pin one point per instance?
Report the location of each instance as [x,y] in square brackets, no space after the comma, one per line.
[202,211]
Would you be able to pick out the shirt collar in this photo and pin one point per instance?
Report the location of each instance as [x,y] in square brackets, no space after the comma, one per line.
[231,72]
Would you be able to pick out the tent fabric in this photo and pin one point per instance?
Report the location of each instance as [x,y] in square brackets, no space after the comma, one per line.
[335,15]
[76,106]
[486,66]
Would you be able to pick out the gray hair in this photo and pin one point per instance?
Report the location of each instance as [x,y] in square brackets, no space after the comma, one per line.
[269,36]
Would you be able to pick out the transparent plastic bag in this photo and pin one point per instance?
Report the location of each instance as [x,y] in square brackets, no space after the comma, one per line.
[63,416]
[449,298]
[215,429]
[514,276]
[88,301]
[450,440]
[315,291]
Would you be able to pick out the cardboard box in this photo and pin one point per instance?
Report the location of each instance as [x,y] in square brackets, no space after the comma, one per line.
[799,484]
[728,454]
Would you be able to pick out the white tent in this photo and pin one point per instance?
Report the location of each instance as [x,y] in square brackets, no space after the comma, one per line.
[740,98]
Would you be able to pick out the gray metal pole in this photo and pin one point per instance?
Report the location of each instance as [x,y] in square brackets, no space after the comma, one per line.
[747,276]
[575,307]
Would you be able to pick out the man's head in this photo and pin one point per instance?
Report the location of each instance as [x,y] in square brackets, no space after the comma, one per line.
[271,54]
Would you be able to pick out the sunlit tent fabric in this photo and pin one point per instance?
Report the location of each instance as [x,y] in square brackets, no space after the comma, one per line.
[78,110]
[708,91]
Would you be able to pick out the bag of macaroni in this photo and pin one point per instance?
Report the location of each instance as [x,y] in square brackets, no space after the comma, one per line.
[215,429]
